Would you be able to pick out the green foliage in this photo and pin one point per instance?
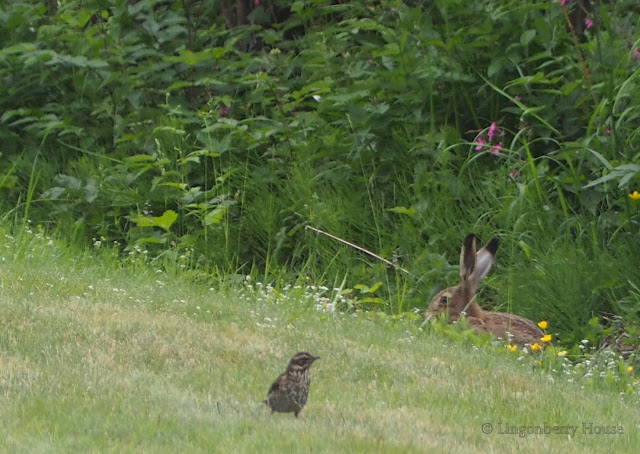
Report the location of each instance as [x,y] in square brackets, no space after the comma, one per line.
[571,284]
[188,129]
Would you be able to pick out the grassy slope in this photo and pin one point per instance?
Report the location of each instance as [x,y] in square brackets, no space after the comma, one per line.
[93,359]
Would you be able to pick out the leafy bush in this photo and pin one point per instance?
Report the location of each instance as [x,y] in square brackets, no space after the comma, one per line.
[196,129]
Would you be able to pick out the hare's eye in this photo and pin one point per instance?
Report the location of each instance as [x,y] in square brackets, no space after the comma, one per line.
[444,299]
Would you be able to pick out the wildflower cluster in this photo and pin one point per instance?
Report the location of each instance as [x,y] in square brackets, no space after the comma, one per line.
[593,367]
[492,133]
[544,339]
[321,298]
[588,21]
[590,366]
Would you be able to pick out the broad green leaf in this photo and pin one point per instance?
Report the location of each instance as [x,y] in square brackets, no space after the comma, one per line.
[375,287]
[374,300]
[164,222]
[527,36]
[216,215]
[151,239]
[411,211]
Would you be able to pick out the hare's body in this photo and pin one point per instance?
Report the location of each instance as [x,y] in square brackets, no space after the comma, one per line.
[474,266]
[500,324]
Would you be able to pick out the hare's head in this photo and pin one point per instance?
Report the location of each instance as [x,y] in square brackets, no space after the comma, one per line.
[474,266]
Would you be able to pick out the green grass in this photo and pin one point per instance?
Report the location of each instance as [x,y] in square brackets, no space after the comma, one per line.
[96,357]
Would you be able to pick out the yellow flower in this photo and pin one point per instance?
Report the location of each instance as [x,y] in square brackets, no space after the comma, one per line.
[635,195]
[562,353]
[629,369]
[546,338]
[535,347]
[512,348]
[543,324]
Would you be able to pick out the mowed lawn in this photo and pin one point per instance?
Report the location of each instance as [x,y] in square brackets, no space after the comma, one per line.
[100,358]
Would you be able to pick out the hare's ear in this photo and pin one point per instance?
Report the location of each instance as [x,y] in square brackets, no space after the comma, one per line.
[467,257]
[484,259]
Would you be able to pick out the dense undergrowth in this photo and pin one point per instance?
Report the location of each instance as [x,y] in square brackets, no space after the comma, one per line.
[189,131]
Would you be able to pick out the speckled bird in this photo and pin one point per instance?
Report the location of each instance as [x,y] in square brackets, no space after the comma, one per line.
[290,391]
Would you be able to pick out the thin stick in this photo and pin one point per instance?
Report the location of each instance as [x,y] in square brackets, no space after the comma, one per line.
[361,249]
[576,43]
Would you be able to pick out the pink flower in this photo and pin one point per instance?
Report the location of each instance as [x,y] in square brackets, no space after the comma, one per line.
[588,23]
[517,98]
[480,142]
[224,111]
[564,2]
[493,131]
[608,131]
[256,2]
[636,53]
[495,150]
[513,174]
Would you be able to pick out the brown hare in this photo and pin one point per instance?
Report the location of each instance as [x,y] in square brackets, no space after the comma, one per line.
[474,266]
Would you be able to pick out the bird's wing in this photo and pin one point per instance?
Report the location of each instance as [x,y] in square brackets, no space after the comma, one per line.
[277,384]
